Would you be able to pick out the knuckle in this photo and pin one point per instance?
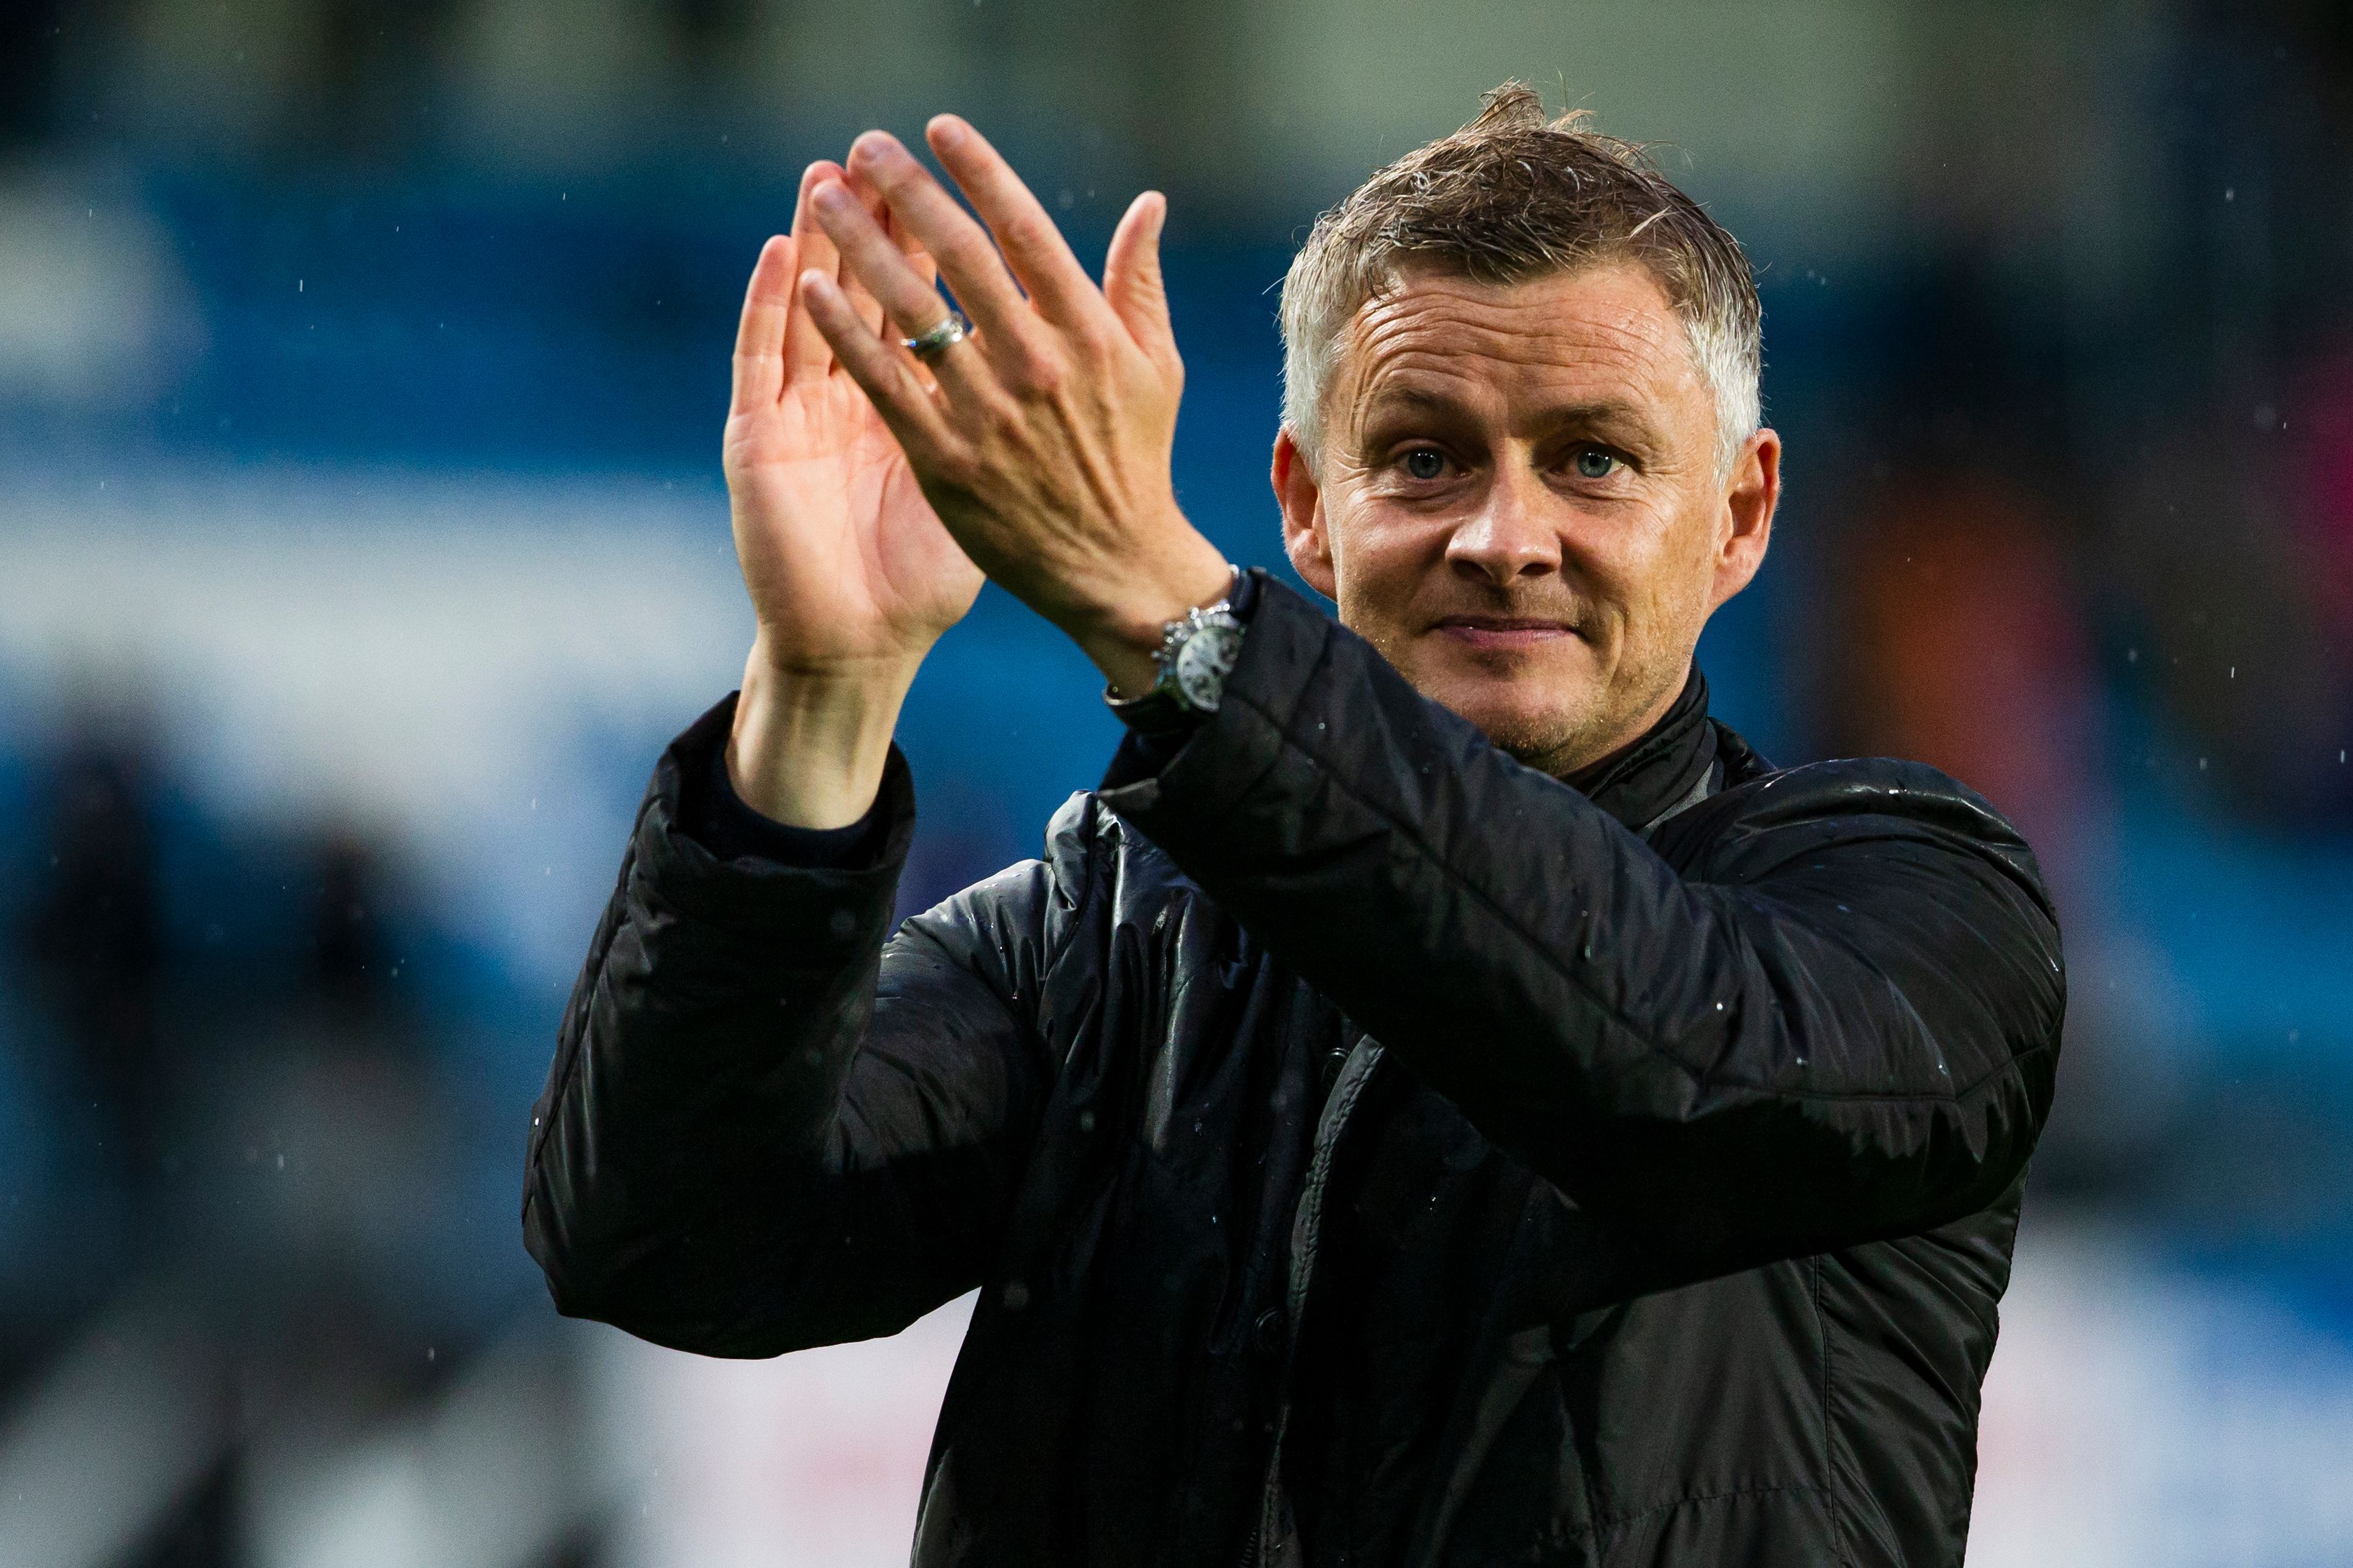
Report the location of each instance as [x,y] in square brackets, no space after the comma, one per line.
[1030,231]
[1097,340]
[1034,373]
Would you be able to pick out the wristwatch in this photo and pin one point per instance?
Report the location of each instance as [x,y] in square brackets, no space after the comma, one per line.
[1197,652]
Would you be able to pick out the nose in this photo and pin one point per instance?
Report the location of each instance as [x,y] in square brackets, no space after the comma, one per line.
[1510,540]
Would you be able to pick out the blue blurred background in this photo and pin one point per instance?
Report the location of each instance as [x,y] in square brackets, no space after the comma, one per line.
[362,541]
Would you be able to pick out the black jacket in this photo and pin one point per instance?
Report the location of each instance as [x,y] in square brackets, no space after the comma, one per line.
[1343,1090]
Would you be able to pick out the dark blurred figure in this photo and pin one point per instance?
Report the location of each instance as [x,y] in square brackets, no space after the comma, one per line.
[329,1112]
[317,1237]
[342,944]
[93,941]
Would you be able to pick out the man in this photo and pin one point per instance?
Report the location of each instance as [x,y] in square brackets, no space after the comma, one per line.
[1445,1100]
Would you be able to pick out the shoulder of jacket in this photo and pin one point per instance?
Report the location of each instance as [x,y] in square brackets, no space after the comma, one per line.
[1845,798]
[1879,786]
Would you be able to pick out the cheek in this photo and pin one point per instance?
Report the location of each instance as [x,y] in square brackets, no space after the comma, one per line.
[1375,558]
[1668,570]
[1372,597]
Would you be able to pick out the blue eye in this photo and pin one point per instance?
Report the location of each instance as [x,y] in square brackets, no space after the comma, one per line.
[1425,462]
[1593,463]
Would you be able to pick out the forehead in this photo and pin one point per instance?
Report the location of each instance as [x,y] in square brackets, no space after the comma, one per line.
[1605,334]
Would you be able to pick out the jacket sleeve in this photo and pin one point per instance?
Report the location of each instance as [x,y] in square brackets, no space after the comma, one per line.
[1845,1029]
[767,1126]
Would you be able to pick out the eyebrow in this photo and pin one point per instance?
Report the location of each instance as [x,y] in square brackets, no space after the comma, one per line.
[1612,415]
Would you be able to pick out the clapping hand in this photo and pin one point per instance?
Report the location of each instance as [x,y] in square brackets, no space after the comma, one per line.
[852,577]
[1041,441]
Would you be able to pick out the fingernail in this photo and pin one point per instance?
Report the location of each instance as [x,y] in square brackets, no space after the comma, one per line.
[948,130]
[872,144]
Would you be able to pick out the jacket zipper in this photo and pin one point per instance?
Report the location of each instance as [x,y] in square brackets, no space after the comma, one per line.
[1269,1545]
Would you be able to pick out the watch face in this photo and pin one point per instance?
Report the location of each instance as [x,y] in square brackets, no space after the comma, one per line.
[1204,661]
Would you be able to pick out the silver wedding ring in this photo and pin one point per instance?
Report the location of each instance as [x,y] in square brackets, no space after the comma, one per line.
[932,344]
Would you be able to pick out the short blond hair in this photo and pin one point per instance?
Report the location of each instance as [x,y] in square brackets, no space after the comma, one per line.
[1510,197]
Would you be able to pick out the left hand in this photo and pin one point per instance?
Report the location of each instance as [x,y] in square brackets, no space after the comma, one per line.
[1043,440]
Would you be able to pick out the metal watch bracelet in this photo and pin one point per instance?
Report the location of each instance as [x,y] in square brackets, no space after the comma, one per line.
[1197,652]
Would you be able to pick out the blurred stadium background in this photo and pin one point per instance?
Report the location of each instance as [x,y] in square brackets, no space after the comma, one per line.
[362,363]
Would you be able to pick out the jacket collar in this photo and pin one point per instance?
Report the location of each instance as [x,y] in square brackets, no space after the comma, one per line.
[1650,776]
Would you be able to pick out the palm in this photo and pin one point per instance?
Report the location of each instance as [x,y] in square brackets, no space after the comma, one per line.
[844,557]
[846,561]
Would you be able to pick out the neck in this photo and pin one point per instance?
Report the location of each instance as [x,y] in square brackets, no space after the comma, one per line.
[1625,738]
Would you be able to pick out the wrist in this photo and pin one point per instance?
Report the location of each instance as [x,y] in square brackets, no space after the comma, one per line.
[1123,637]
[809,747]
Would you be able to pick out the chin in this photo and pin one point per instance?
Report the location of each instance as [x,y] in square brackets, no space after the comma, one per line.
[1533,727]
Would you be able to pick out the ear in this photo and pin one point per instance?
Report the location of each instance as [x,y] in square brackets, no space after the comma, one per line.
[1750,497]
[1305,538]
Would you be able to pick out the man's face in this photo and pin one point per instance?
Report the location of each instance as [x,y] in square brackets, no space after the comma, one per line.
[1518,503]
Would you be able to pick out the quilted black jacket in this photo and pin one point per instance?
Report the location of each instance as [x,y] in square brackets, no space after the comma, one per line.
[1369,1150]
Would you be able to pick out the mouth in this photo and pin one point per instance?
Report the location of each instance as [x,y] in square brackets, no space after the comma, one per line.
[1504,632]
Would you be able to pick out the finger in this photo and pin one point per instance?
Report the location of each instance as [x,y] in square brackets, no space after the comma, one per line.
[912,248]
[760,335]
[1131,278]
[805,349]
[926,268]
[869,308]
[1033,247]
[968,258]
[912,304]
[878,369]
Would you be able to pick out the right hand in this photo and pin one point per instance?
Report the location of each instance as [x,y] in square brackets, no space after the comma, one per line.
[848,567]
[852,576]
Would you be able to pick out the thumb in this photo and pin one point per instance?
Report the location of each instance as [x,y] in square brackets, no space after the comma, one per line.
[1132,280]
